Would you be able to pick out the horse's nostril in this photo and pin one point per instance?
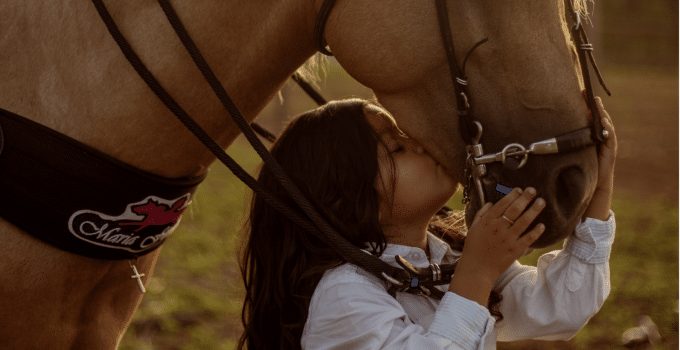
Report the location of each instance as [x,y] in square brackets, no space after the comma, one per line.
[570,184]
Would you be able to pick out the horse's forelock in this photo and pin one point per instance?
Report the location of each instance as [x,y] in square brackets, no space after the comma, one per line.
[584,7]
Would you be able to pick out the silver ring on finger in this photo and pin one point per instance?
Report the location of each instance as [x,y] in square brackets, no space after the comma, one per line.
[508,220]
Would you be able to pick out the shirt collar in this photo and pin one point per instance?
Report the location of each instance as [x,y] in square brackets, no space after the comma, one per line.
[439,251]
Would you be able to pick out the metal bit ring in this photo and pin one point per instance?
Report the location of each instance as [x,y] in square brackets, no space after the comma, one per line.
[514,147]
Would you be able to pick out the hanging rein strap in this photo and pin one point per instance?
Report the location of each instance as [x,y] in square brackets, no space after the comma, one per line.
[400,279]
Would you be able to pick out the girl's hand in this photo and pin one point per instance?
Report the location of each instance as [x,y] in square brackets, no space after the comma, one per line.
[498,236]
[602,198]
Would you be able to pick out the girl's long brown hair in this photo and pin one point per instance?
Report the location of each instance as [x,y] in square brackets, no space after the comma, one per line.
[330,153]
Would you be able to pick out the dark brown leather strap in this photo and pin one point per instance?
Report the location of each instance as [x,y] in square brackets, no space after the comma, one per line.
[468,129]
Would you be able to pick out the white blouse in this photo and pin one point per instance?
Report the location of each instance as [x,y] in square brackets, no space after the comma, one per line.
[351,309]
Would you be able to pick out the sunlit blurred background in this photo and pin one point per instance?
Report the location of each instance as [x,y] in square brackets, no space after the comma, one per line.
[194,299]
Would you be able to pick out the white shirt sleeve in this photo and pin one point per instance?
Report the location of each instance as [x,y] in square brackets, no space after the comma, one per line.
[362,315]
[553,300]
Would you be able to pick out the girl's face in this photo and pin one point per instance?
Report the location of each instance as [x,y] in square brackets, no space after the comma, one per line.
[415,186]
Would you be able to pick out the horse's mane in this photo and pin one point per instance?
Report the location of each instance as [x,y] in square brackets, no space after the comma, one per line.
[582,6]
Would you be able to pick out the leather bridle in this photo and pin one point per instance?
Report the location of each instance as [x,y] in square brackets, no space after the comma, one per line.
[514,155]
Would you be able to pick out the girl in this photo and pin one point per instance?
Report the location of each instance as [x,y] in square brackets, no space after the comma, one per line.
[382,189]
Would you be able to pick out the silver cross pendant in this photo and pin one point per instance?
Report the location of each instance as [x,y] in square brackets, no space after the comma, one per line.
[138,276]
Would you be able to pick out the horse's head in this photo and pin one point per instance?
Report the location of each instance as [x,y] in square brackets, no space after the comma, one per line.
[523,87]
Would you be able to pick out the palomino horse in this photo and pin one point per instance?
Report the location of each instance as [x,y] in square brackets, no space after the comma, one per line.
[60,68]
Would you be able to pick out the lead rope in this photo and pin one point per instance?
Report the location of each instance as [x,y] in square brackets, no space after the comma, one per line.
[397,277]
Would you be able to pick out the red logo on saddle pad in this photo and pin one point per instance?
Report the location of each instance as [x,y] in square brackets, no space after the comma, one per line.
[142,226]
[156,213]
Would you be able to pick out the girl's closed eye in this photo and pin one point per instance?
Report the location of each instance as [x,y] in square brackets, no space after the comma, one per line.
[392,145]
[397,147]
[401,143]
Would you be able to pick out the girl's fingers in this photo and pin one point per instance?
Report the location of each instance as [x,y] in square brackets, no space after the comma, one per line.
[600,107]
[523,222]
[502,205]
[532,235]
[516,208]
[482,211]
[611,139]
[607,123]
[606,119]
